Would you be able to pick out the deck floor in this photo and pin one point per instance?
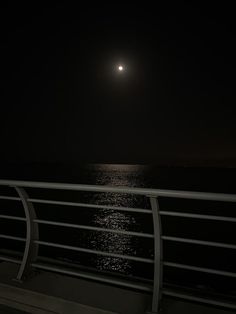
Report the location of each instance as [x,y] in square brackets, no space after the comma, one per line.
[8,310]
[55,293]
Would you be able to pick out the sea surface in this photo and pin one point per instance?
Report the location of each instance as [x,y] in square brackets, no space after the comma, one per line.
[195,179]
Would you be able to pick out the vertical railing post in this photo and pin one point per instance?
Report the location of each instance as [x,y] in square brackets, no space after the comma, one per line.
[31,248]
[158,271]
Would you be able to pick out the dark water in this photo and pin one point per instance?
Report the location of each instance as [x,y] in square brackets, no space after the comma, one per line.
[198,179]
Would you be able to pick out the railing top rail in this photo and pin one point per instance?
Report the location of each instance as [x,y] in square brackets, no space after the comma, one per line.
[123,190]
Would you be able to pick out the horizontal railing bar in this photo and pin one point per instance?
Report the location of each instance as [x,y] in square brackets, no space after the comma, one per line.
[4,236]
[94,277]
[198,299]
[200,269]
[73,204]
[69,264]
[123,190]
[197,216]
[200,242]
[9,198]
[13,217]
[128,257]
[123,232]
[10,260]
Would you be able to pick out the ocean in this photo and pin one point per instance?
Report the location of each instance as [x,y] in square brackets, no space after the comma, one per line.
[178,178]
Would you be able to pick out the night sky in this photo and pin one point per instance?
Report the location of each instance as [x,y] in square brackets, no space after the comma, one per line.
[63,100]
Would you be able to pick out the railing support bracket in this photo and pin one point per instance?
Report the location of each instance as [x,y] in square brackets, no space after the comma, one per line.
[31,248]
[158,259]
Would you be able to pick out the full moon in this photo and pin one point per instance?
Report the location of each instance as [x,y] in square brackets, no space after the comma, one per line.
[120,68]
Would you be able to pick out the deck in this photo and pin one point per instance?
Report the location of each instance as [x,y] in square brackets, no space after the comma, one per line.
[55,293]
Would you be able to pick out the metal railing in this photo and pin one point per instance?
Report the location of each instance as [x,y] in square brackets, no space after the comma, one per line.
[32,240]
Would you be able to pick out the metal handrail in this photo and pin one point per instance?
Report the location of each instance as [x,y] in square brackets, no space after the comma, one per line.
[201,269]
[86,205]
[85,227]
[200,242]
[124,190]
[8,237]
[103,279]
[198,216]
[32,241]
[13,217]
[97,252]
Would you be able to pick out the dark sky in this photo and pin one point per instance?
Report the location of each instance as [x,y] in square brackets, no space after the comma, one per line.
[62,100]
